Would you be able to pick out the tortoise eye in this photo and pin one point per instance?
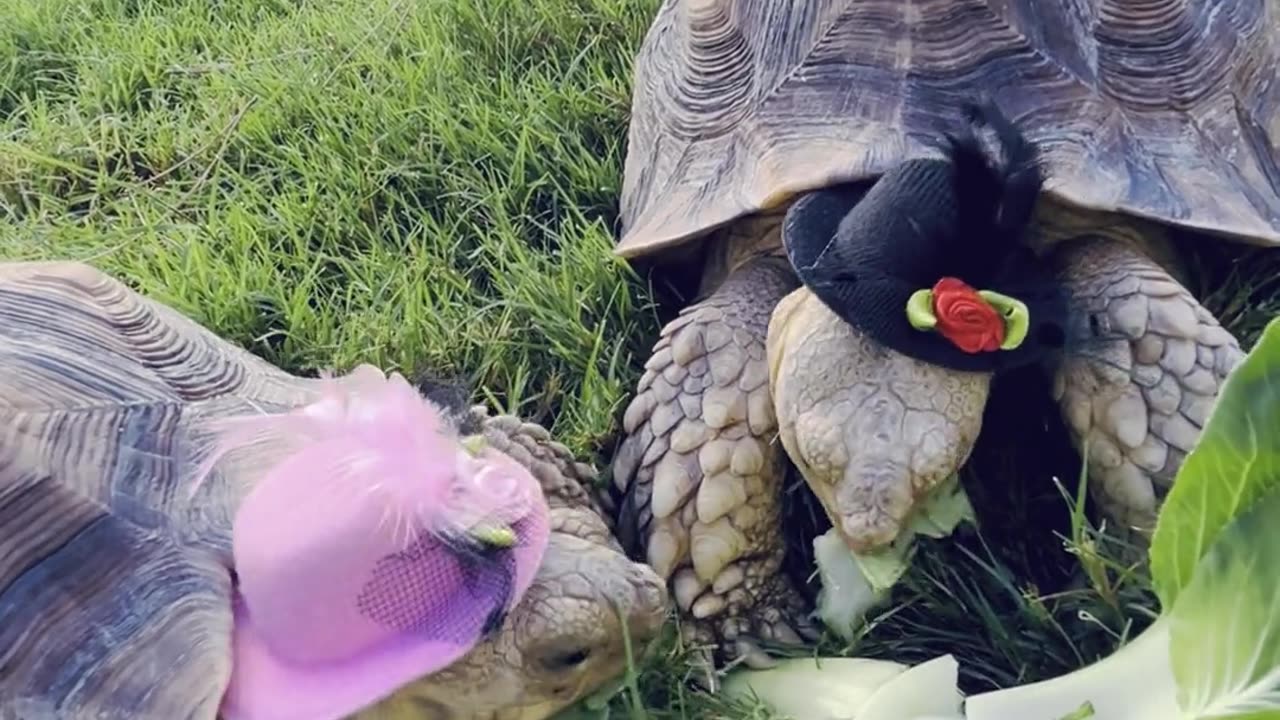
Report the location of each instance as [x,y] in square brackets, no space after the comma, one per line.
[567,660]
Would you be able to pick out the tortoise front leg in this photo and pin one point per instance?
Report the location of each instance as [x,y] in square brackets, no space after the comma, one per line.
[701,472]
[1138,390]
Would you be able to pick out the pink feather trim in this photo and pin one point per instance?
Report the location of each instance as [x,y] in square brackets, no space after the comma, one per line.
[370,432]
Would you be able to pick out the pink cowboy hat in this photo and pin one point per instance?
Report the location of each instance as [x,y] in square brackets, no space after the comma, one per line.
[377,551]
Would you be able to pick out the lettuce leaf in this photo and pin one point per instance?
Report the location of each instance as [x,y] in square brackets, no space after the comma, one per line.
[1235,462]
[1225,628]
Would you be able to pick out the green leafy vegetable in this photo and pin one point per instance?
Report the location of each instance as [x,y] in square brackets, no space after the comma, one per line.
[847,594]
[1235,462]
[942,512]
[1225,628]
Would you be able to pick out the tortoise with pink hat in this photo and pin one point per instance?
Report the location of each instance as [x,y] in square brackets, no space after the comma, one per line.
[190,532]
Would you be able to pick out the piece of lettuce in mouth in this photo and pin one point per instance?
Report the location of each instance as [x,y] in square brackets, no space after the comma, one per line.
[853,584]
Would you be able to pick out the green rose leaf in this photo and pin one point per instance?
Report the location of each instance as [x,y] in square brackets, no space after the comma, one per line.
[920,310]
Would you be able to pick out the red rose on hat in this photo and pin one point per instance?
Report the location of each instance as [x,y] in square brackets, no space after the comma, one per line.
[965,318]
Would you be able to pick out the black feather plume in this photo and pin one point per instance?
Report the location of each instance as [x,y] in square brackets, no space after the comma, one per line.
[1019,175]
[995,197]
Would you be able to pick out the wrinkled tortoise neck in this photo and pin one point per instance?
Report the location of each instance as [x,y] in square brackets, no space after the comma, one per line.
[733,247]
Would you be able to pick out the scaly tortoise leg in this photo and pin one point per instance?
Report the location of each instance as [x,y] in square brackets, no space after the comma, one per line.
[701,471]
[1139,393]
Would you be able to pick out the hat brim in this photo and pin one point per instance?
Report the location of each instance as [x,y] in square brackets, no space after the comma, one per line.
[265,688]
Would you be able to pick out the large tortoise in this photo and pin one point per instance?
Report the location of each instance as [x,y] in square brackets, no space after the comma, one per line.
[115,585]
[1148,117]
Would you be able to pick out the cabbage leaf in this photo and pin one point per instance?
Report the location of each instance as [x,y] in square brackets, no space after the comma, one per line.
[1235,462]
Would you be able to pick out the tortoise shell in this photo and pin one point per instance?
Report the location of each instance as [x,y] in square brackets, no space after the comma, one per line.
[1165,109]
[115,580]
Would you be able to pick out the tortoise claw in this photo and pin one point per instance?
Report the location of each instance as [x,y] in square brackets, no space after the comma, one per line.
[767,611]
[752,655]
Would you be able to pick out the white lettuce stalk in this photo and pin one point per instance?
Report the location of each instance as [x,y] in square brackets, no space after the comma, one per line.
[852,688]
[1134,683]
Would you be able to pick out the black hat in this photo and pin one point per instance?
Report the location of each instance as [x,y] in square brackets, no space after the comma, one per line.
[955,225]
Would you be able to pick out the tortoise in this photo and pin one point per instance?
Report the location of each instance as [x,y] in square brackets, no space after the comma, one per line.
[1151,121]
[115,586]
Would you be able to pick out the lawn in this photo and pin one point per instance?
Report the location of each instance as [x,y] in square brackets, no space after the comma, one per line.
[431,186]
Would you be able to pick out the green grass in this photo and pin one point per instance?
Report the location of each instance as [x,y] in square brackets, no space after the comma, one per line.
[431,186]
[423,185]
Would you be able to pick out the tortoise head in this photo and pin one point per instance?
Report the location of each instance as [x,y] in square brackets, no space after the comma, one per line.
[879,390]
[566,638]
[871,430]
[570,632]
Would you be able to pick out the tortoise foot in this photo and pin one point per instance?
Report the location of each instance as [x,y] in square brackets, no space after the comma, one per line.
[700,472]
[1142,381]
[751,606]
[747,623]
